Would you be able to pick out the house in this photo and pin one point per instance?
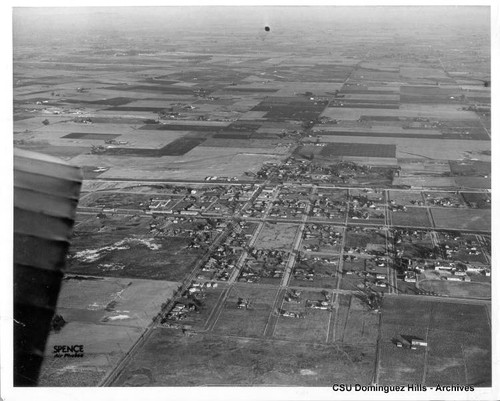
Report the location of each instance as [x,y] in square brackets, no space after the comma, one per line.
[418,342]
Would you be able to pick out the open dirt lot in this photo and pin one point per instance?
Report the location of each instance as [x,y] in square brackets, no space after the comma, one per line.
[277,236]
[458,337]
[462,219]
[170,359]
[104,315]
[457,288]
[249,322]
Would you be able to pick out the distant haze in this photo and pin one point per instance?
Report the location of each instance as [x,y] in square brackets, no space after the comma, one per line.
[46,22]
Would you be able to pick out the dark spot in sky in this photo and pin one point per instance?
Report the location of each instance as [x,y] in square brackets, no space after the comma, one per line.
[267,29]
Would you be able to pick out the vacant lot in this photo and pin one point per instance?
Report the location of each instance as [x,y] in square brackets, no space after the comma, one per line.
[368,239]
[477,200]
[462,219]
[120,255]
[458,289]
[170,359]
[122,200]
[312,328]
[355,323]
[458,337]
[413,217]
[405,198]
[277,236]
[104,315]
[247,322]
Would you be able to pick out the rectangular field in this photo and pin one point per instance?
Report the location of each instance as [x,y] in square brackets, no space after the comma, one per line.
[313,328]
[106,316]
[91,136]
[412,217]
[247,322]
[457,334]
[277,236]
[170,359]
[462,219]
[358,149]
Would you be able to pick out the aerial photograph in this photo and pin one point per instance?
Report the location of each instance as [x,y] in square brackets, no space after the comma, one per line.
[253,196]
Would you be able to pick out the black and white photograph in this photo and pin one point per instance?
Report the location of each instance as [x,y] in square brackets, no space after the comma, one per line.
[264,201]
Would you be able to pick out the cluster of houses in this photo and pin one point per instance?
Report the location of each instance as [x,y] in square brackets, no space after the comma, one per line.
[263,263]
[410,342]
[220,179]
[293,296]
[443,201]
[327,234]
[296,315]
[287,208]
[261,202]
[221,263]
[325,208]
[206,201]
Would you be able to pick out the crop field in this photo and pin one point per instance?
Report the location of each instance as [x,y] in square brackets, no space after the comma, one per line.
[289,178]
[412,217]
[425,167]
[195,165]
[358,149]
[178,147]
[457,335]
[470,168]
[457,289]
[277,236]
[473,182]
[425,181]
[247,322]
[411,148]
[90,136]
[462,219]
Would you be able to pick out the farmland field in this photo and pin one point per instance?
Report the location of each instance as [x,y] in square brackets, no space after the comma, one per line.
[271,207]
[358,149]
